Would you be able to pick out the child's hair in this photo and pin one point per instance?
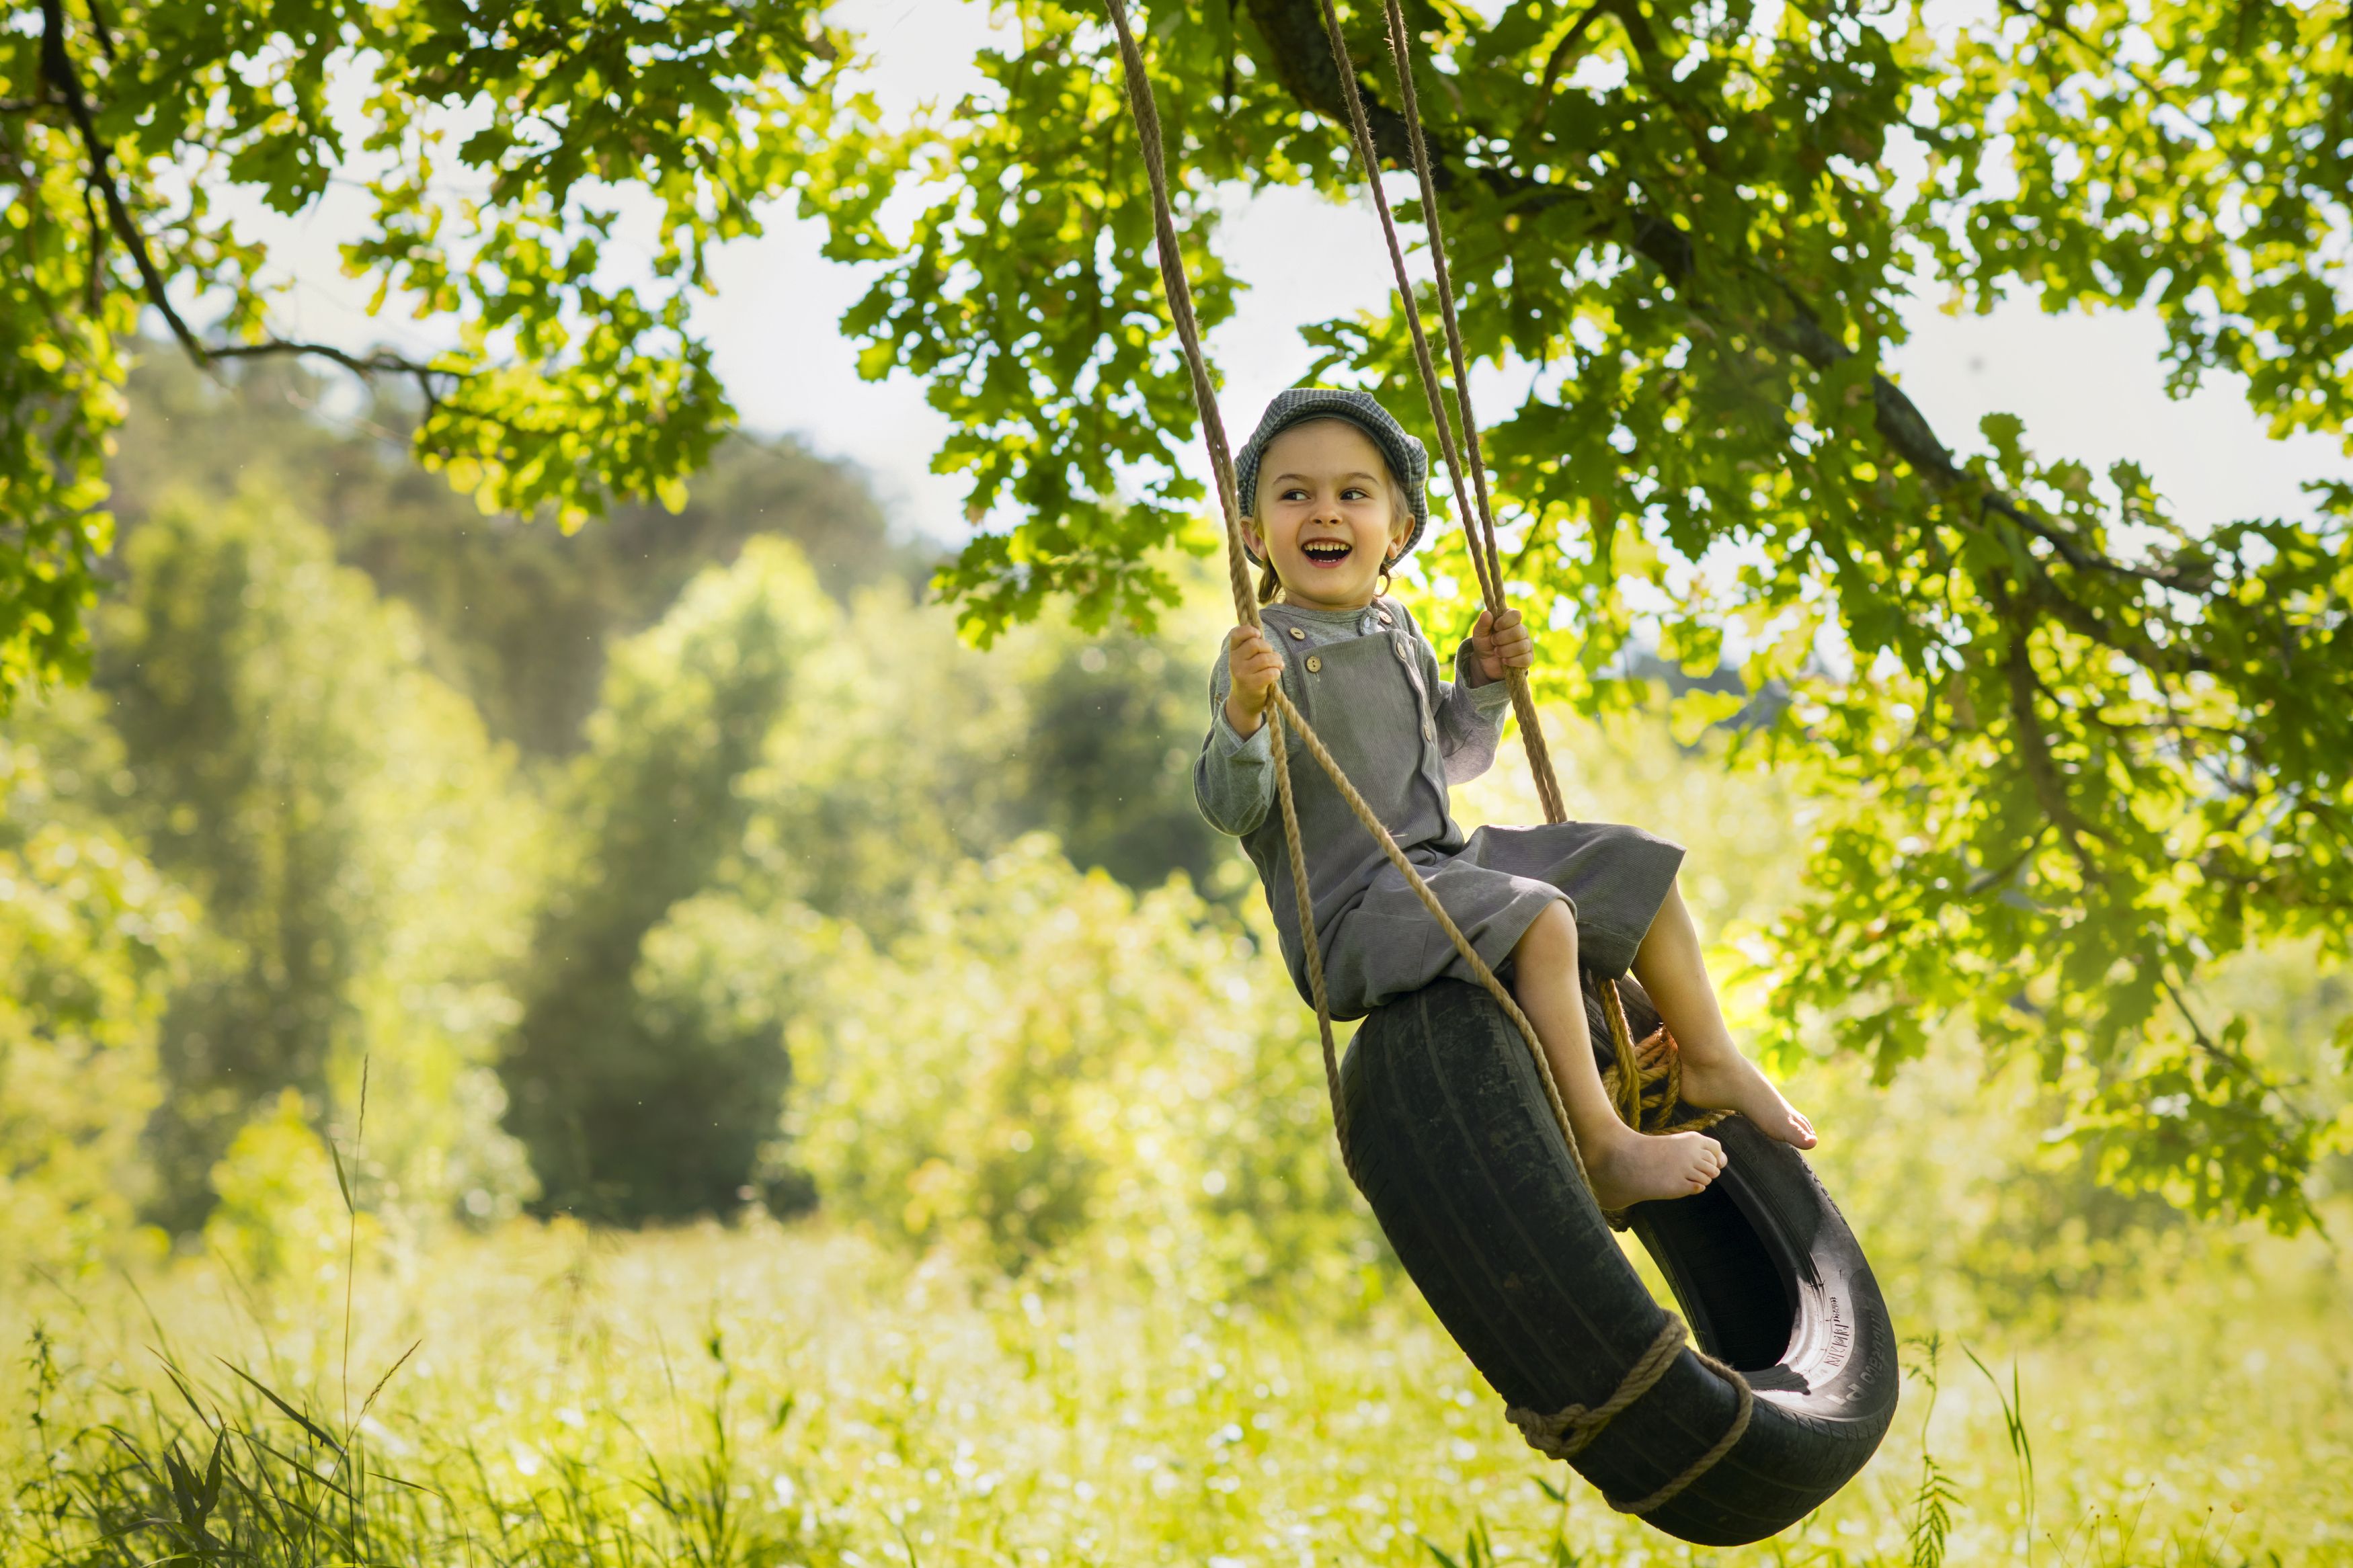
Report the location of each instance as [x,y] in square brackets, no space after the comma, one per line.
[1270,582]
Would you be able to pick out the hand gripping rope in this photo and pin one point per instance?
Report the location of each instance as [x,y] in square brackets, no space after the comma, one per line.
[1566,1432]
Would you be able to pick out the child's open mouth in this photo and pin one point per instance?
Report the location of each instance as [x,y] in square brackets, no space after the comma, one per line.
[1327,552]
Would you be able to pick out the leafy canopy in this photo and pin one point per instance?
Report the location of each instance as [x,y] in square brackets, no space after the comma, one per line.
[2085,749]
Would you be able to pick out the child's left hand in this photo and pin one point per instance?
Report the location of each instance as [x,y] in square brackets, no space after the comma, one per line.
[1502,642]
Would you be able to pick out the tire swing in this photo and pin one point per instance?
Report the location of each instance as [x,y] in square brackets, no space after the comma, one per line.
[1451,1125]
[1455,1148]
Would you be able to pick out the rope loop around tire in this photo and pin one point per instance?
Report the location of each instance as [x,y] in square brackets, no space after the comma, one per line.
[1569,1431]
[1705,1462]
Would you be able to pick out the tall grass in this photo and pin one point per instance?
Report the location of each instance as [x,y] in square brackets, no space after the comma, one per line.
[762,1396]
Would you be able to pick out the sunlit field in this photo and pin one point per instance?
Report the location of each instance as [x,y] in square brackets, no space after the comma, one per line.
[762,1394]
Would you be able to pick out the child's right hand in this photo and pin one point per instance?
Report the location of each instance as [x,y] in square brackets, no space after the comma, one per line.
[1254,666]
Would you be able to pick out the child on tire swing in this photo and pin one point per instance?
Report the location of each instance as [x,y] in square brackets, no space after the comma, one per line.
[1336,489]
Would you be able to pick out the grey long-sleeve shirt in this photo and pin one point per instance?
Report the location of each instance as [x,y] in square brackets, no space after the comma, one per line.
[1234,779]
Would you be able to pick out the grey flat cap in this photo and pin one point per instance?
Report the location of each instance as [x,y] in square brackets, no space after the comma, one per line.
[1406,459]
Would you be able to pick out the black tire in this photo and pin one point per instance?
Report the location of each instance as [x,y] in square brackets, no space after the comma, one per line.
[1457,1152]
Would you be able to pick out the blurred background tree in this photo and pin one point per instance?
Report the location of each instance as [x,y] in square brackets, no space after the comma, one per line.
[357,845]
[534,825]
[626,1118]
[91,935]
[515,615]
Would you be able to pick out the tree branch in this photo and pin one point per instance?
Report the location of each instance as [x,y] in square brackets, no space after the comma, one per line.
[98,26]
[1302,63]
[1994,875]
[382,361]
[1906,430]
[1554,62]
[56,65]
[2234,1060]
[2043,595]
[2034,754]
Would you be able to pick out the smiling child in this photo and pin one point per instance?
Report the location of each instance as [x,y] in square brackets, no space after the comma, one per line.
[1337,490]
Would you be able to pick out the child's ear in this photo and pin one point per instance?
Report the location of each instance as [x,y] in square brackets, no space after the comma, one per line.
[1251,537]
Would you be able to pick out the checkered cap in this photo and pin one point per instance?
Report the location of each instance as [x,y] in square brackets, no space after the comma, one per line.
[1409,462]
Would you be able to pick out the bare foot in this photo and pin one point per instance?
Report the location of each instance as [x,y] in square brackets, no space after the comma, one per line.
[1726,1080]
[1628,1167]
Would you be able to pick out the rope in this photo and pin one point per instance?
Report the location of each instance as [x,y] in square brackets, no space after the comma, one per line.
[1633,1074]
[1569,1431]
[1648,1096]
[1306,900]
[1479,522]
[1705,1462]
[1285,713]
[1174,283]
[1469,954]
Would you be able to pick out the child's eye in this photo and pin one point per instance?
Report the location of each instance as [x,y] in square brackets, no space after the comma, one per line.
[1355,492]
[1295,492]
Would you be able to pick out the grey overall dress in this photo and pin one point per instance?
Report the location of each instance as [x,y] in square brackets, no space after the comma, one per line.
[1370,699]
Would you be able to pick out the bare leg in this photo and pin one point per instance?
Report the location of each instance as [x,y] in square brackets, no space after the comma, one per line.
[1625,1166]
[1672,968]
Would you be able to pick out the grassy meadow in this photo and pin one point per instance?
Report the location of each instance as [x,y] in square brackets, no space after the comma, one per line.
[767,1394]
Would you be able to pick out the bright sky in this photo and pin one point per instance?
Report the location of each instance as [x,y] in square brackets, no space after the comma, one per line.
[2090,388]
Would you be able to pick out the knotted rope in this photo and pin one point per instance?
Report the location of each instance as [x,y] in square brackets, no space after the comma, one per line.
[1645,1082]
[1566,1432]
[1569,1432]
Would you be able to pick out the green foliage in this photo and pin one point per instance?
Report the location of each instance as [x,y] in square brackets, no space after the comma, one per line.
[516,616]
[361,859]
[1044,1058]
[1025,295]
[495,152]
[618,1126]
[89,936]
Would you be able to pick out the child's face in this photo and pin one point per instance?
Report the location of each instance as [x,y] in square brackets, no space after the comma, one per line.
[1328,514]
